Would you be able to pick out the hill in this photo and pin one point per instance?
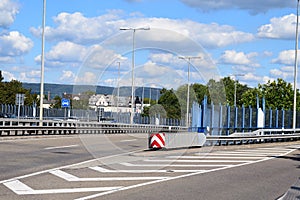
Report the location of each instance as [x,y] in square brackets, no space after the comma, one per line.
[60,89]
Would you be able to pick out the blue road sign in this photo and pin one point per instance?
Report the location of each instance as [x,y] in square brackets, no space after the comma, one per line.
[65,103]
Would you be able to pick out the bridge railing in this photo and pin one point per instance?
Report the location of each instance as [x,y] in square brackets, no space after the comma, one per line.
[22,127]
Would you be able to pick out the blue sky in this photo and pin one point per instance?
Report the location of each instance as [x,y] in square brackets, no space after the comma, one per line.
[84,44]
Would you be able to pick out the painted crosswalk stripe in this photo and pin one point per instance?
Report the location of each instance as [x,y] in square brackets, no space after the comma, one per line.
[263,150]
[69,177]
[161,165]
[199,161]
[22,189]
[104,170]
[220,157]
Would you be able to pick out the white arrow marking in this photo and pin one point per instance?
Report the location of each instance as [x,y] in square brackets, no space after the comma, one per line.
[21,189]
[69,177]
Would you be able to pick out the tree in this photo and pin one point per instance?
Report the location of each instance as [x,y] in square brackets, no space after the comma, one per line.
[57,102]
[170,102]
[278,94]
[1,77]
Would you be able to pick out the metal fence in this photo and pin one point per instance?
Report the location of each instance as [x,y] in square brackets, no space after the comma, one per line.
[30,112]
[225,120]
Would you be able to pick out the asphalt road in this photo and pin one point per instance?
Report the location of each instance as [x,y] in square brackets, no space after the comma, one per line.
[118,167]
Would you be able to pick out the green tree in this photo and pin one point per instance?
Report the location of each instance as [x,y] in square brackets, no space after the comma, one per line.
[170,102]
[278,94]
[57,102]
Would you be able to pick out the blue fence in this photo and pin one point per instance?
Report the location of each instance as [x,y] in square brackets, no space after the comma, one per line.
[86,115]
[224,120]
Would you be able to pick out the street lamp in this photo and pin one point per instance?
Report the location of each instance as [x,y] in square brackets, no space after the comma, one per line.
[235,82]
[118,85]
[188,59]
[42,63]
[132,72]
[295,69]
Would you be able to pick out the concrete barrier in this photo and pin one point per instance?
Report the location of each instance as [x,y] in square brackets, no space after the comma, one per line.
[182,140]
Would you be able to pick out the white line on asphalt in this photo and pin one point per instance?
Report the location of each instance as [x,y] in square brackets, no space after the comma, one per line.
[21,189]
[67,166]
[104,170]
[61,147]
[69,177]
[199,161]
[128,140]
[177,177]
[240,153]
[160,165]
[262,150]
[223,156]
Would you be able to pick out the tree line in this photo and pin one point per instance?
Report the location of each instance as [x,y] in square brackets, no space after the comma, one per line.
[278,94]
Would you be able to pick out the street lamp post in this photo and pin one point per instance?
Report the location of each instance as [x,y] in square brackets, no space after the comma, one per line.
[188,59]
[118,92]
[295,70]
[235,87]
[132,72]
[42,63]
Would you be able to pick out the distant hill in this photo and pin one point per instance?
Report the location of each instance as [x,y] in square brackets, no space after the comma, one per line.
[60,89]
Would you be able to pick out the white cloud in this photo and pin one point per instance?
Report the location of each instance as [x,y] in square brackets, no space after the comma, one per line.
[14,44]
[8,9]
[252,79]
[238,58]
[254,6]
[285,72]
[74,55]
[30,76]
[67,76]
[79,29]
[8,76]
[86,78]
[279,28]
[286,57]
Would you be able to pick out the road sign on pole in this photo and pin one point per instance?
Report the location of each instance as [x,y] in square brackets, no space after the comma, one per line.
[65,103]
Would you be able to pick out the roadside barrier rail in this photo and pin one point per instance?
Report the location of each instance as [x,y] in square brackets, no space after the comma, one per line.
[258,136]
[13,127]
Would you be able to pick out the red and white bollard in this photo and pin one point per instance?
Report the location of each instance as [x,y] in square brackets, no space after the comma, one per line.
[157,140]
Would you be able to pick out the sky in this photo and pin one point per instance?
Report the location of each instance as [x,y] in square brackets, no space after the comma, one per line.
[188,41]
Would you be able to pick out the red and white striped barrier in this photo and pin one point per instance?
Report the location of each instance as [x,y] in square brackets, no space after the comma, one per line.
[157,140]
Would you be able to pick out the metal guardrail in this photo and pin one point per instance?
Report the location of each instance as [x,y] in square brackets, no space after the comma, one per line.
[258,136]
[13,127]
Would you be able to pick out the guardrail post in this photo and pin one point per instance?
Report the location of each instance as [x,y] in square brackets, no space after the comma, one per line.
[220,119]
[228,120]
[276,118]
[250,117]
[235,118]
[243,118]
[283,113]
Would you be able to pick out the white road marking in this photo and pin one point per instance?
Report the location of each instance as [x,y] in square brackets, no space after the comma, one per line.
[128,140]
[220,157]
[240,153]
[160,165]
[21,189]
[69,177]
[104,170]
[200,161]
[262,150]
[61,147]
[66,166]
[178,177]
